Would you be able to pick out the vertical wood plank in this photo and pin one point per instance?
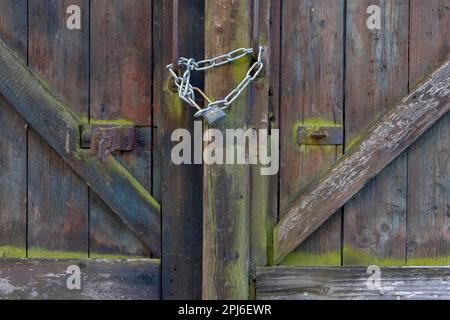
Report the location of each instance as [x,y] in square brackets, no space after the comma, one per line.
[273,67]
[262,188]
[226,197]
[120,78]
[13,142]
[376,75]
[428,217]
[311,94]
[121,56]
[181,261]
[58,204]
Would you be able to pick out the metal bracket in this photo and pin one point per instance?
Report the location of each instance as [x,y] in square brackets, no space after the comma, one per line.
[104,139]
[320,135]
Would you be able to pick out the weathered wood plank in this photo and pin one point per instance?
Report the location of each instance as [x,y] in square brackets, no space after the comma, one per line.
[376,79]
[181,218]
[109,237]
[351,283]
[59,126]
[262,188]
[273,74]
[100,279]
[121,75]
[13,143]
[121,55]
[226,195]
[311,95]
[383,143]
[428,234]
[57,196]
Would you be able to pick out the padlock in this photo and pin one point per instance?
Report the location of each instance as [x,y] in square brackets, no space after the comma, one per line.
[213,115]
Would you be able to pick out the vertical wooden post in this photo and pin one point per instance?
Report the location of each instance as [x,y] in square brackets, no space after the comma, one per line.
[428,241]
[227,198]
[180,186]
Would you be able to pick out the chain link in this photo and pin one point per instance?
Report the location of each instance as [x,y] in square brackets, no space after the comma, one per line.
[187,92]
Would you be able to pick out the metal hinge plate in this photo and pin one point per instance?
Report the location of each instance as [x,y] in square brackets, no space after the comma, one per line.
[104,139]
[320,135]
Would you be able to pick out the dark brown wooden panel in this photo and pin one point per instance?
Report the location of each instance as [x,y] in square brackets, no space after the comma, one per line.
[322,283]
[428,233]
[57,197]
[36,279]
[13,142]
[120,73]
[376,79]
[180,187]
[312,66]
[59,126]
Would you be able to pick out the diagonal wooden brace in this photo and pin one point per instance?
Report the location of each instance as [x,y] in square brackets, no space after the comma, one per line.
[58,125]
[383,143]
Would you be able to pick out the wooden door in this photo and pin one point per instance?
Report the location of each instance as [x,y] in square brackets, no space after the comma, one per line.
[103,71]
[338,72]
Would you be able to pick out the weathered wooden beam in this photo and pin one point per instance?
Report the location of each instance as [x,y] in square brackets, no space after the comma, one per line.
[46,279]
[59,126]
[383,143]
[337,283]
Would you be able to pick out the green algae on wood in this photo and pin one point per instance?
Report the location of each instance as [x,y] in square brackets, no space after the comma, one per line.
[357,257]
[12,252]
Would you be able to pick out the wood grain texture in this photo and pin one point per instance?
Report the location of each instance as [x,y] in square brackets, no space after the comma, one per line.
[121,79]
[274,106]
[179,187]
[376,79]
[110,236]
[13,142]
[312,69]
[428,230]
[226,194]
[121,60]
[384,142]
[23,279]
[59,126]
[57,196]
[262,204]
[350,283]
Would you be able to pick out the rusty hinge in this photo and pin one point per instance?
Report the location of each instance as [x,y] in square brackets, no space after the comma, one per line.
[320,135]
[104,139]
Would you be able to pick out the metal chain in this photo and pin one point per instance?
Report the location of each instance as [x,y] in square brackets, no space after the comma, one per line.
[187,92]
